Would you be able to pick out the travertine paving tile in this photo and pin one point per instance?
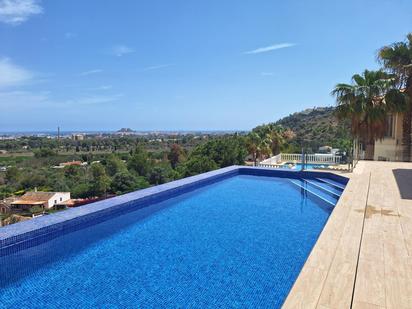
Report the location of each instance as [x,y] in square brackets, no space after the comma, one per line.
[370,282]
[372,244]
[321,257]
[307,289]
[362,305]
[372,247]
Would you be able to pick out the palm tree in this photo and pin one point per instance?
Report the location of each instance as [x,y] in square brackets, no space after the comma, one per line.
[264,149]
[252,144]
[258,147]
[367,103]
[275,137]
[397,58]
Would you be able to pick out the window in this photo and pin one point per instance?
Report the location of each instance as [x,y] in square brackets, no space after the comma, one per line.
[61,199]
[390,124]
[55,201]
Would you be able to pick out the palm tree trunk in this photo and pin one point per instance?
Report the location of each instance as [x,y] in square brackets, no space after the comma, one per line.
[406,136]
[407,123]
[275,149]
[370,149]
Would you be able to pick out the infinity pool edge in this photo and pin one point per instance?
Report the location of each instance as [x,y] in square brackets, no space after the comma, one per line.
[25,234]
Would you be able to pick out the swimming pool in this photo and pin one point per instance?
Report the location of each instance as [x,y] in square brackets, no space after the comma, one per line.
[308,166]
[237,241]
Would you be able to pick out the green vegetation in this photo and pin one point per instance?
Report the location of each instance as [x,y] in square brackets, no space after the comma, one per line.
[96,144]
[267,140]
[310,129]
[117,165]
[316,127]
[118,173]
[374,95]
[36,210]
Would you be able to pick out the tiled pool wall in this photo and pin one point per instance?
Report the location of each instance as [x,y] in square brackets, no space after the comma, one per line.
[30,233]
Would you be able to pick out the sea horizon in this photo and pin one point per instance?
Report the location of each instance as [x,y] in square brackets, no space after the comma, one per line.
[94,132]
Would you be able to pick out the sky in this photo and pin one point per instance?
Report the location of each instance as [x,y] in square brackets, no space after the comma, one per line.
[182,65]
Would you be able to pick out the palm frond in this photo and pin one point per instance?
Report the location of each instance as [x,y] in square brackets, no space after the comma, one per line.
[396,101]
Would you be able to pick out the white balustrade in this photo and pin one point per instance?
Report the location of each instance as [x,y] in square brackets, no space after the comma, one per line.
[272,160]
[316,158]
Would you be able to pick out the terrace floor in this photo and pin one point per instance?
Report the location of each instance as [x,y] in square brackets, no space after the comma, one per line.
[363,257]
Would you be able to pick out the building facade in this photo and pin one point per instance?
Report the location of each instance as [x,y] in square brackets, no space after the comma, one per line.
[46,200]
[391,147]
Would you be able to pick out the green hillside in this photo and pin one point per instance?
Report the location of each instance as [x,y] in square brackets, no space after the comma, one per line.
[316,127]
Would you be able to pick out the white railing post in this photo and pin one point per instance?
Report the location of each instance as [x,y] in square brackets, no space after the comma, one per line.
[276,161]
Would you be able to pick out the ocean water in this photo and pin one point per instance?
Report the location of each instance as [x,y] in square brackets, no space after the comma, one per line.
[238,243]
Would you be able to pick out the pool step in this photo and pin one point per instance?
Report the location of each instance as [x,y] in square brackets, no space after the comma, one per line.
[332,183]
[316,193]
[326,194]
[326,188]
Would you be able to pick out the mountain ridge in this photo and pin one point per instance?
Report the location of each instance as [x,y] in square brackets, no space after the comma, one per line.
[318,126]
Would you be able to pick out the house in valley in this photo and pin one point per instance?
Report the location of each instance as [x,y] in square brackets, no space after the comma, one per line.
[5,206]
[46,200]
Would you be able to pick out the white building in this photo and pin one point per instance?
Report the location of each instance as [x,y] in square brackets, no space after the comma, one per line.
[46,200]
[78,137]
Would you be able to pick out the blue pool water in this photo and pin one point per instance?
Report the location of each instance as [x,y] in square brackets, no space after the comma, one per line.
[238,243]
[308,166]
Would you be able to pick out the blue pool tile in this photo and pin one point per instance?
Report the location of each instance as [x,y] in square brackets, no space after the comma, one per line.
[223,239]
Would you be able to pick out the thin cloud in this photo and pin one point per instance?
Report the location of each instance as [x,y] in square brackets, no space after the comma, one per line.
[104,87]
[93,100]
[21,100]
[269,48]
[157,67]
[121,50]
[12,74]
[16,12]
[91,72]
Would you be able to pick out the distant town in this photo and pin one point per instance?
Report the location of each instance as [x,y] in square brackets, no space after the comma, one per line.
[122,132]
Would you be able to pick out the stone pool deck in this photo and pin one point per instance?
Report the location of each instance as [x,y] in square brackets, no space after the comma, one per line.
[363,257]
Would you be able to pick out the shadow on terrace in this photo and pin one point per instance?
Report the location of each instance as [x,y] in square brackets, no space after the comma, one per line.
[404,181]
